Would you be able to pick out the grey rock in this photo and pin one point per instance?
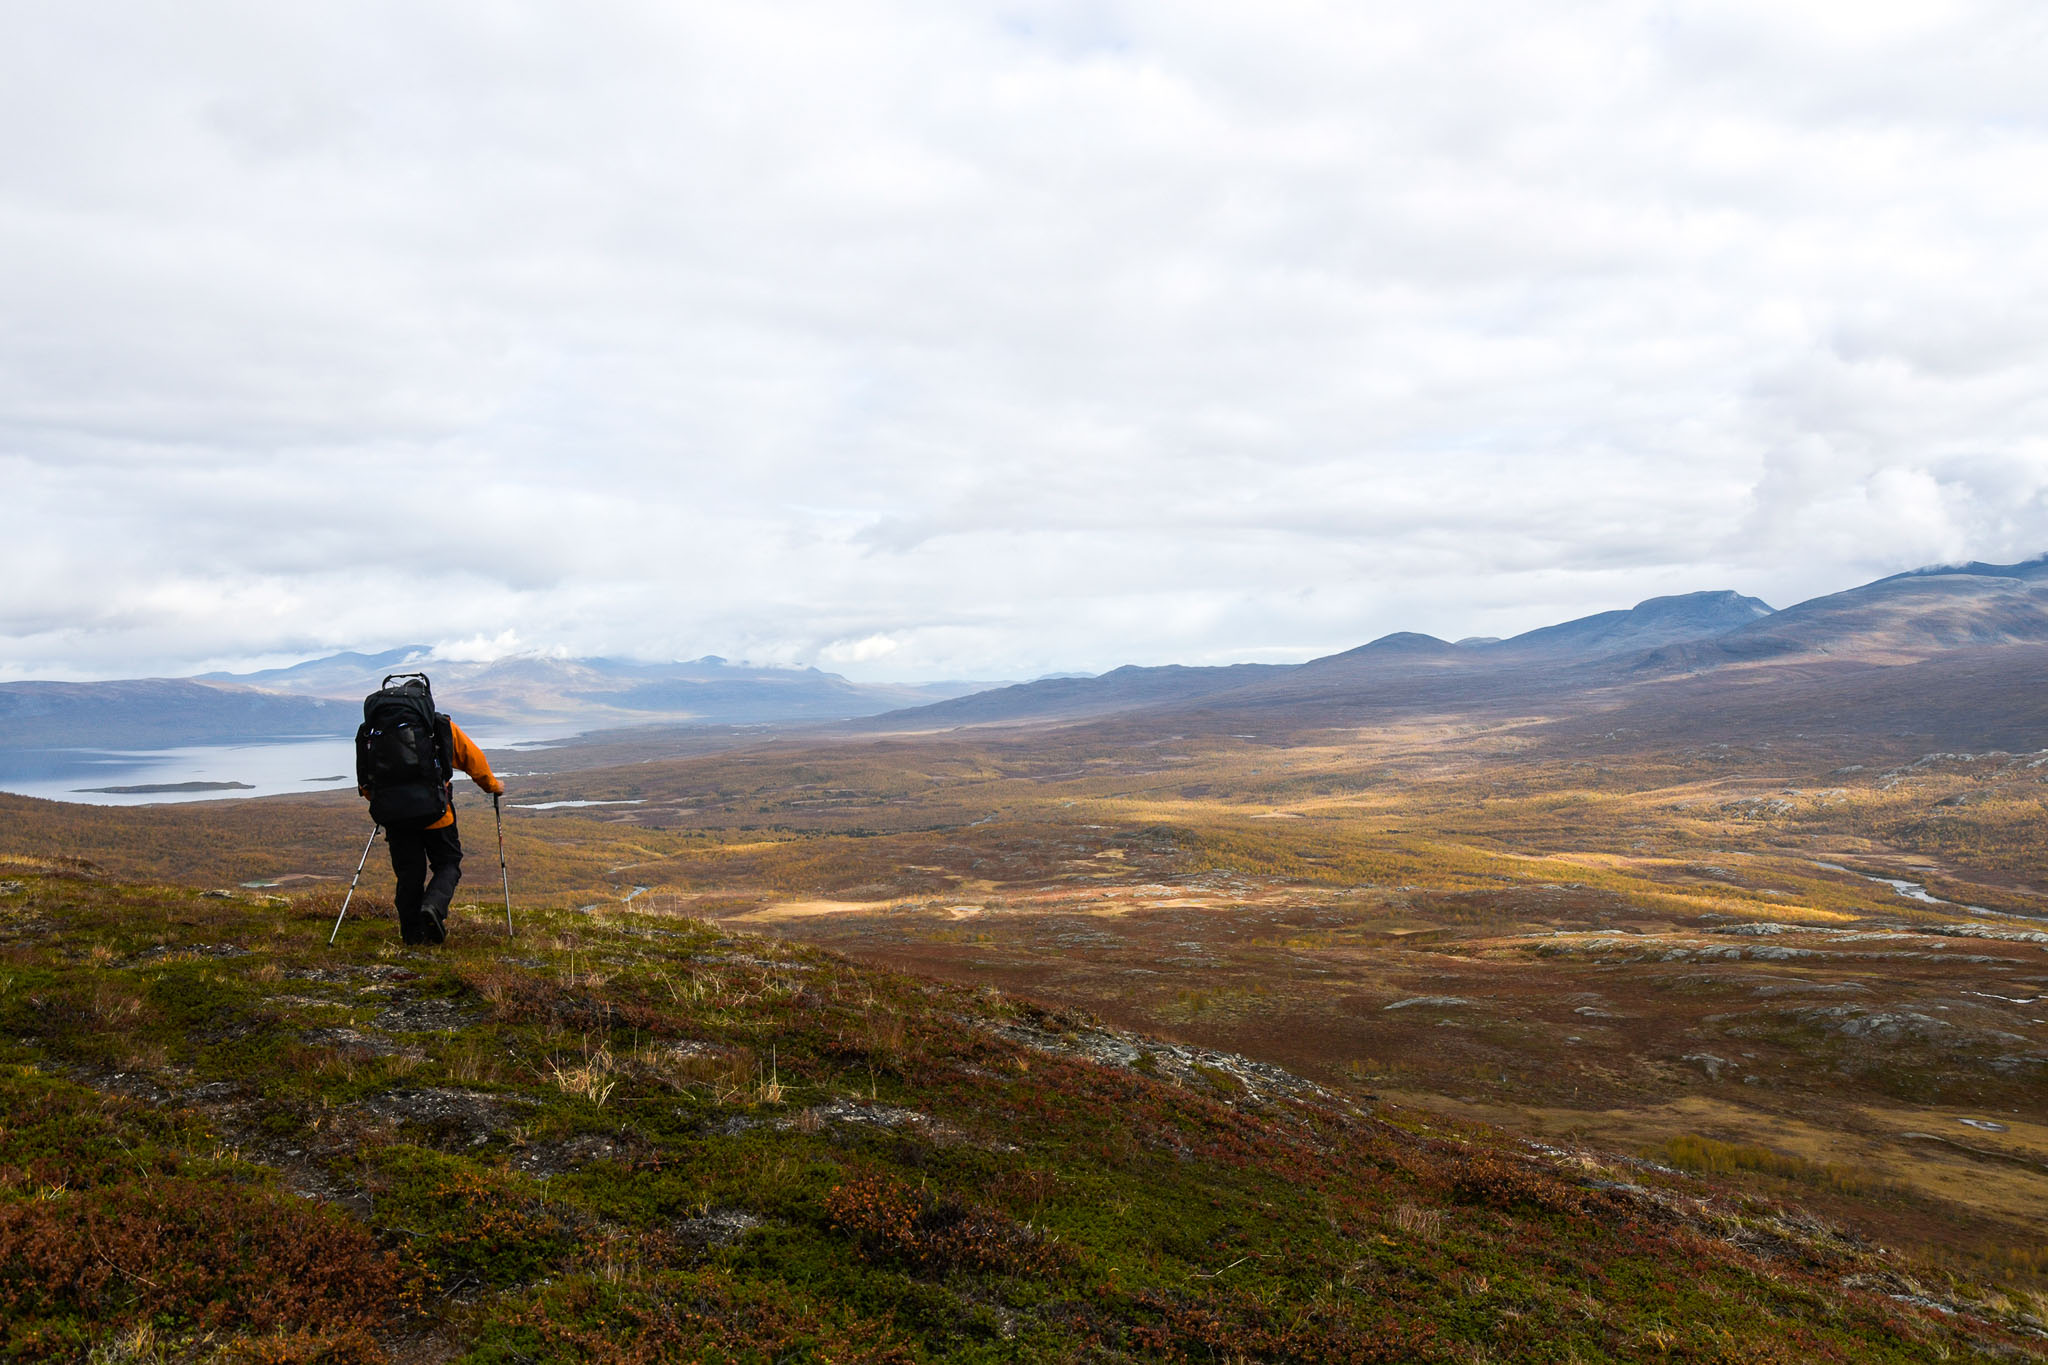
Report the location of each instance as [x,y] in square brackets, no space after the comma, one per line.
[423,1016]
[863,1114]
[718,1228]
[466,1114]
[349,1040]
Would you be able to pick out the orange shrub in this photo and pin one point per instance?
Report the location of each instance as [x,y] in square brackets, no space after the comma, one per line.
[202,1254]
[935,1233]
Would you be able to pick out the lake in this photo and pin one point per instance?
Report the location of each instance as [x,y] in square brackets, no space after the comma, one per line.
[204,772]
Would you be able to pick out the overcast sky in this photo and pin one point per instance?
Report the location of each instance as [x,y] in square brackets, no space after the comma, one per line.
[985,340]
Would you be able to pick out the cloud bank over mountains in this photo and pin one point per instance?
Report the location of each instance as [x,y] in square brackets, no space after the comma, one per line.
[984,340]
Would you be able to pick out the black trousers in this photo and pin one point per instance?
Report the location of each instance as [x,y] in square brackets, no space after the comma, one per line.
[413,852]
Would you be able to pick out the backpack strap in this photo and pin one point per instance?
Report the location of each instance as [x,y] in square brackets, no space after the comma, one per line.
[444,746]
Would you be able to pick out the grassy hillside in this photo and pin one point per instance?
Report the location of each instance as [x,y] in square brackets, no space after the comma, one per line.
[630,1137]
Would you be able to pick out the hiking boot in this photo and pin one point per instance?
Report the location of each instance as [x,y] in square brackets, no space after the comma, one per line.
[434,924]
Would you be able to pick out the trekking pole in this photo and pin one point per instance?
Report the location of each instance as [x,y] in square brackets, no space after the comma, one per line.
[495,810]
[352,884]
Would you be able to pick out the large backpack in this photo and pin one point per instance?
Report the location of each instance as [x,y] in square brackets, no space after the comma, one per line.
[404,753]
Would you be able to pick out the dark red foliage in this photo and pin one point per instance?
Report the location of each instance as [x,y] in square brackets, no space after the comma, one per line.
[1238,1327]
[691,1318]
[1500,1182]
[206,1254]
[932,1234]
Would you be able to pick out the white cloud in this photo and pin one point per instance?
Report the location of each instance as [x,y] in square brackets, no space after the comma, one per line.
[477,649]
[865,650]
[1027,337]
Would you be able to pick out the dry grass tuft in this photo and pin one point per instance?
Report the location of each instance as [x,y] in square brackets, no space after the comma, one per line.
[593,1078]
[136,1346]
[1424,1225]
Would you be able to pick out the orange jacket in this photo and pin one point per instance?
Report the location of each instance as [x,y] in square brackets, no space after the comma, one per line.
[471,760]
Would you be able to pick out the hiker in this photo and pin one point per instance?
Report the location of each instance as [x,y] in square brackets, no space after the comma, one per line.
[406,754]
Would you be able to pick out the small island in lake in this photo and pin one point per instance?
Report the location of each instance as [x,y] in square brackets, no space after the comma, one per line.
[154,788]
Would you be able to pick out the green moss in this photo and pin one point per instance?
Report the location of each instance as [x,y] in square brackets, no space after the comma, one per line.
[682,1316]
[61,1135]
[457,1223]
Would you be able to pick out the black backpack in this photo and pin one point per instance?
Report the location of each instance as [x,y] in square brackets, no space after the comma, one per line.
[404,753]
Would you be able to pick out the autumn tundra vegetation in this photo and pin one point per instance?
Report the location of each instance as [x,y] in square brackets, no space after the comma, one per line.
[1690,1012]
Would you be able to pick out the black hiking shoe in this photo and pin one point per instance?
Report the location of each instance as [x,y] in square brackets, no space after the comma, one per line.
[433,924]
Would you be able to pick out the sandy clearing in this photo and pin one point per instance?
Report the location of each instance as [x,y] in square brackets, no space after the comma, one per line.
[790,910]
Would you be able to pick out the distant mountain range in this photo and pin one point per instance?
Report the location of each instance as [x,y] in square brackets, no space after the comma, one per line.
[1661,622]
[526,694]
[1898,646]
[529,691]
[1959,652]
[158,713]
